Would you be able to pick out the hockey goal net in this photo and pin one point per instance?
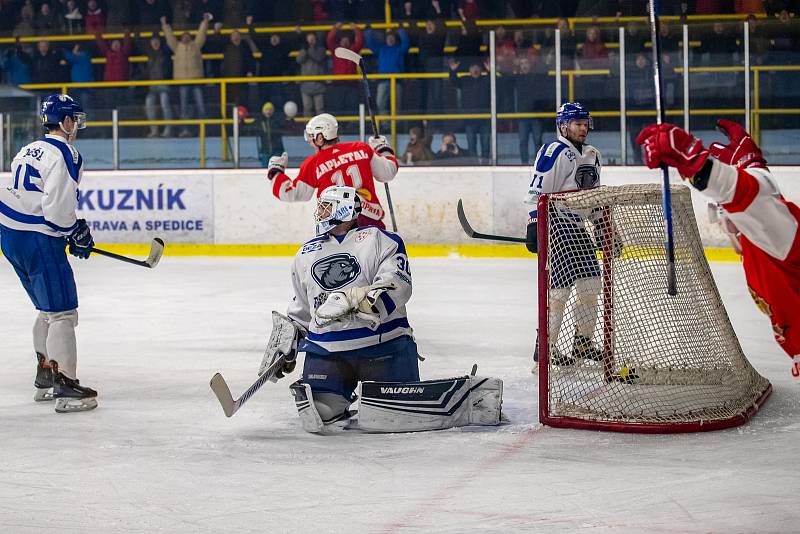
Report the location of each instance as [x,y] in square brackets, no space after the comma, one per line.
[615,351]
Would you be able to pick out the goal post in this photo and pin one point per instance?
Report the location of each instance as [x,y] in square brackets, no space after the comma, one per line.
[616,352]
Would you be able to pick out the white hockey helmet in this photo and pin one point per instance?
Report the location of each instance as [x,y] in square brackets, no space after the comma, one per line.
[336,204]
[324,124]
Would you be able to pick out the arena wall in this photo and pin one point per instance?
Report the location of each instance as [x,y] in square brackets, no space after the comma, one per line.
[227,212]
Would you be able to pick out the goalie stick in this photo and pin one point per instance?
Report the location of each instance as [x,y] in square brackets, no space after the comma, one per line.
[462,218]
[223,392]
[156,251]
[354,57]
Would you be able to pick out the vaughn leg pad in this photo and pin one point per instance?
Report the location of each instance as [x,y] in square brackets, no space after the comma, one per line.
[309,416]
[430,405]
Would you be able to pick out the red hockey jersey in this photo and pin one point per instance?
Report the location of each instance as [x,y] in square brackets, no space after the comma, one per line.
[770,241]
[353,164]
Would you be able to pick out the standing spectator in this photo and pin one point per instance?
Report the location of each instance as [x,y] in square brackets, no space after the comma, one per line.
[117,64]
[24,27]
[568,44]
[119,14]
[594,54]
[157,68]
[81,71]
[117,68]
[506,53]
[475,95]
[73,18]
[238,62]
[215,44]
[391,60]
[150,12]
[46,22]
[318,11]
[431,59]
[17,63]
[275,61]
[346,93]
[418,150]
[188,65]
[639,90]
[95,19]
[269,133]
[312,63]
[182,14]
[469,10]
[45,66]
[527,85]
[468,47]
[232,12]
[747,7]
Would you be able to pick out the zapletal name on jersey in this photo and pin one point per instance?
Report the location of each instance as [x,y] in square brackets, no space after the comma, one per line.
[341,159]
[324,265]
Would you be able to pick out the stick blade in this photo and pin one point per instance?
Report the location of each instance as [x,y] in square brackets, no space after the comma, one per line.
[156,251]
[347,54]
[462,218]
[223,393]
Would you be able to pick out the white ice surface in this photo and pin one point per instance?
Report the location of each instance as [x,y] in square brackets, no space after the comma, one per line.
[158,455]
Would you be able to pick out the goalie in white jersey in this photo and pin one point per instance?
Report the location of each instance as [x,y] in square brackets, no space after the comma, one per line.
[568,164]
[37,220]
[348,314]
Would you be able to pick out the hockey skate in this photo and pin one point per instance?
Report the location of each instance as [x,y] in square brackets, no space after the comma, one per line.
[584,348]
[44,380]
[70,396]
[556,358]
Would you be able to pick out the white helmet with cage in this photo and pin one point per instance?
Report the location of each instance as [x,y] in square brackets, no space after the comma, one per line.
[324,124]
[336,204]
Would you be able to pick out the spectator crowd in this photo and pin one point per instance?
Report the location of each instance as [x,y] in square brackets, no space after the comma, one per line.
[183,31]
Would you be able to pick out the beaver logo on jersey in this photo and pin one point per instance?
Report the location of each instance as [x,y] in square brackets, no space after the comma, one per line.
[586,176]
[335,272]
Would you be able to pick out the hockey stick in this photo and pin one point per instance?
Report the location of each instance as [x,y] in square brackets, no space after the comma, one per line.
[156,251]
[349,55]
[223,392]
[462,218]
[666,194]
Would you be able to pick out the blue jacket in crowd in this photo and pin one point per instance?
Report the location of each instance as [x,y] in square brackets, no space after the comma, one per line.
[17,65]
[82,70]
[391,59]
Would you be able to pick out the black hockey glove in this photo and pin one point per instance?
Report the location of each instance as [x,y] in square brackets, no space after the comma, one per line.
[80,240]
[533,238]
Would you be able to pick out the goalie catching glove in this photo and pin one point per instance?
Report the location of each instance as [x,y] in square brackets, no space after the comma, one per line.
[282,344]
[354,300]
[277,165]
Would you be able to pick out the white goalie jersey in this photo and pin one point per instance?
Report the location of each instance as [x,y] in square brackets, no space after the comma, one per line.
[363,257]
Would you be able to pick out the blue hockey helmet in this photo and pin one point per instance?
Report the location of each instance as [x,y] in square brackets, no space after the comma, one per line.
[570,111]
[56,107]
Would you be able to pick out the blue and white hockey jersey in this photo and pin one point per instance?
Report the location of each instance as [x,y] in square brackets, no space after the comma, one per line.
[41,194]
[363,257]
[559,166]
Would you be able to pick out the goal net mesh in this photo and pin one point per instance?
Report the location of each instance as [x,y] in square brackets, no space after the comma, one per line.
[626,352]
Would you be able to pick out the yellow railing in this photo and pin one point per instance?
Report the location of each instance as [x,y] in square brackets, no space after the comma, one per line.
[393,117]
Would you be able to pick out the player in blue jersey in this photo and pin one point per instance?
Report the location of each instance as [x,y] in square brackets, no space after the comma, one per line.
[569,164]
[348,314]
[37,220]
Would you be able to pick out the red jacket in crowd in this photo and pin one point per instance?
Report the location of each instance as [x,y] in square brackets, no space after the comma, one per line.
[117,65]
[343,66]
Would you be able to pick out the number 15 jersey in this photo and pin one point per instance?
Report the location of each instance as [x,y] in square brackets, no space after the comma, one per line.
[41,193]
[352,164]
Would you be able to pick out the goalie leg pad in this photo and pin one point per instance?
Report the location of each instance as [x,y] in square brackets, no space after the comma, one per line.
[430,404]
[320,409]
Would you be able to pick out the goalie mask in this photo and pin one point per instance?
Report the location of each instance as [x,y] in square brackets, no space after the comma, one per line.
[337,204]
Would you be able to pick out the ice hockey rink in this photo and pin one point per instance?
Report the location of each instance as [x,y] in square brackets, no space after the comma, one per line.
[158,455]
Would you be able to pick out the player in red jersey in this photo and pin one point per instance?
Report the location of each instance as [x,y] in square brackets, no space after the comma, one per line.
[356,164]
[754,214]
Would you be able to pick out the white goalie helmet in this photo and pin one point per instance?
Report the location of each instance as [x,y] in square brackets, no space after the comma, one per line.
[324,124]
[335,205]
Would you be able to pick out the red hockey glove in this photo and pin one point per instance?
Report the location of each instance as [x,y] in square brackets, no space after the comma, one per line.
[668,144]
[741,151]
